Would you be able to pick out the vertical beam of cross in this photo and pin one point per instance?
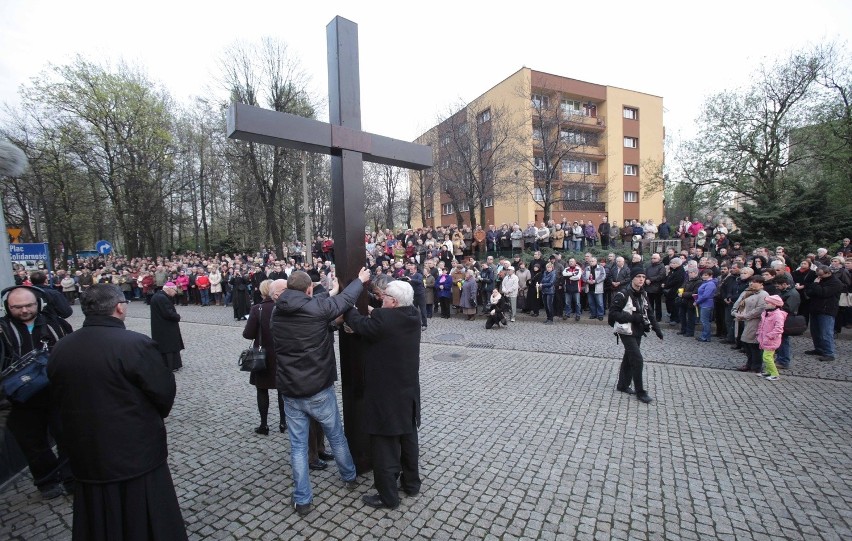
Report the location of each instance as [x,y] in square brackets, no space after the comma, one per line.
[348,221]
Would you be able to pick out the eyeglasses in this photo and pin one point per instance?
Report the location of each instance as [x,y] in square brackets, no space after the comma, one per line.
[123,302]
[23,306]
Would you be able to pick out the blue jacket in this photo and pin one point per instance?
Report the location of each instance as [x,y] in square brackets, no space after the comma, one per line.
[705,294]
[548,282]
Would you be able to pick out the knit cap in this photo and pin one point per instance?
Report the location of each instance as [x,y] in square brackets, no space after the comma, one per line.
[774,300]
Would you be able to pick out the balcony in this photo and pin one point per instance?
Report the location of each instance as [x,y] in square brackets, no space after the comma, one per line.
[577,118]
[584,206]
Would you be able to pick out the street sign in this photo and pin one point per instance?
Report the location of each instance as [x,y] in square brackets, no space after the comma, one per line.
[33,256]
[103,247]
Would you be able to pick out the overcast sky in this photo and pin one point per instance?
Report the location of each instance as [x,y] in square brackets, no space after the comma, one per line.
[420,58]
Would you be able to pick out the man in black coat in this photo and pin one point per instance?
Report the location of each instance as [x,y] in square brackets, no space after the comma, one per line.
[824,294]
[630,306]
[56,303]
[674,281]
[114,392]
[655,275]
[307,370]
[391,392]
[165,326]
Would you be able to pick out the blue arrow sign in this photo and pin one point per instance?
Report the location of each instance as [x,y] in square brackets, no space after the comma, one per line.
[103,247]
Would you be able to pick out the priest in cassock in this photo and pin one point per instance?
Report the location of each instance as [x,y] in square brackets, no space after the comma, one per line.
[113,392]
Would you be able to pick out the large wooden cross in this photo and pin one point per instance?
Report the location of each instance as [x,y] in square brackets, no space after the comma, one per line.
[348,146]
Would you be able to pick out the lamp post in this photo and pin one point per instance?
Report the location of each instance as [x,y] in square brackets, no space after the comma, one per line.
[517,198]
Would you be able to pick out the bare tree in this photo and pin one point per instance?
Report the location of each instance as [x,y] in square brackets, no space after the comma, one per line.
[567,147]
[474,145]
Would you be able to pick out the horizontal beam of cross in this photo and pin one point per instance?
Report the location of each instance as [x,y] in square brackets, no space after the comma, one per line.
[250,123]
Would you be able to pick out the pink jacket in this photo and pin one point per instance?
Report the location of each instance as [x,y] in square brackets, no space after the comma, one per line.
[182,282]
[695,228]
[771,328]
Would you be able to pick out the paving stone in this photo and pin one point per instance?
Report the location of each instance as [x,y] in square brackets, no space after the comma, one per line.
[527,440]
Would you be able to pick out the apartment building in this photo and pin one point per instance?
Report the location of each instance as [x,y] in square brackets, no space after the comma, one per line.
[539,145]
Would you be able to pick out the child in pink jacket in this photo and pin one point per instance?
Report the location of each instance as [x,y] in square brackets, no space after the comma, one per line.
[769,334]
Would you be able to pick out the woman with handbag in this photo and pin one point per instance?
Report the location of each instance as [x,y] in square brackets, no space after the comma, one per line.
[258,329]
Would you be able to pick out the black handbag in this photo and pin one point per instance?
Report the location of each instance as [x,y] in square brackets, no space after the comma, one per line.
[26,376]
[254,358]
[795,325]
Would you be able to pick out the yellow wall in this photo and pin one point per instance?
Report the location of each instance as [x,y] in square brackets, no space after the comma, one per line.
[512,95]
[650,149]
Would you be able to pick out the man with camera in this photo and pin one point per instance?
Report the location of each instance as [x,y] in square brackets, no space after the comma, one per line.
[630,307]
[26,328]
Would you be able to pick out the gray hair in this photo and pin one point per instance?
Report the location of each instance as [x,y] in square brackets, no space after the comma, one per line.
[101,299]
[401,291]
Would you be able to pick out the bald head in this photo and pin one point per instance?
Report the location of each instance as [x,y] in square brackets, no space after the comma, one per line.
[276,288]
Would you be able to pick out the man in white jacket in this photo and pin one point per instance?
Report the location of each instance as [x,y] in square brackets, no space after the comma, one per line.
[509,289]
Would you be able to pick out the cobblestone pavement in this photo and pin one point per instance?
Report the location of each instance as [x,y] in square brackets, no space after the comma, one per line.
[523,437]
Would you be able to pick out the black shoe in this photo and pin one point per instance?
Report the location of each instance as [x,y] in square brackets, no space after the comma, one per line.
[812,352]
[318,465]
[423,328]
[263,430]
[51,492]
[303,509]
[411,493]
[376,501]
[826,358]
[600,318]
[325,456]
[628,390]
[736,347]
[352,485]
[644,398]
[69,485]
[282,427]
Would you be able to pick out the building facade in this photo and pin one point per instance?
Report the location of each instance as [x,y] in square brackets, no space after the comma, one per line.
[539,147]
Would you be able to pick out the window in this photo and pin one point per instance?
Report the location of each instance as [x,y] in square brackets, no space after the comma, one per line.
[580,192]
[489,201]
[631,170]
[539,163]
[485,144]
[445,139]
[537,134]
[487,174]
[631,197]
[484,116]
[631,142]
[631,113]
[463,207]
[538,194]
[540,101]
[579,166]
[445,162]
[447,208]
[573,137]
[572,107]
[428,213]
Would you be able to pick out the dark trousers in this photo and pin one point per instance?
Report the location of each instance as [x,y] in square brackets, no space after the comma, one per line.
[656,302]
[420,303]
[395,457]
[719,316]
[32,424]
[754,356]
[445,306]
[263,407]
[316,441]
[672,307]
[631,364]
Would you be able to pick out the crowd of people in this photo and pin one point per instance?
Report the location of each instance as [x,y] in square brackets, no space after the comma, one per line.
[752,299]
